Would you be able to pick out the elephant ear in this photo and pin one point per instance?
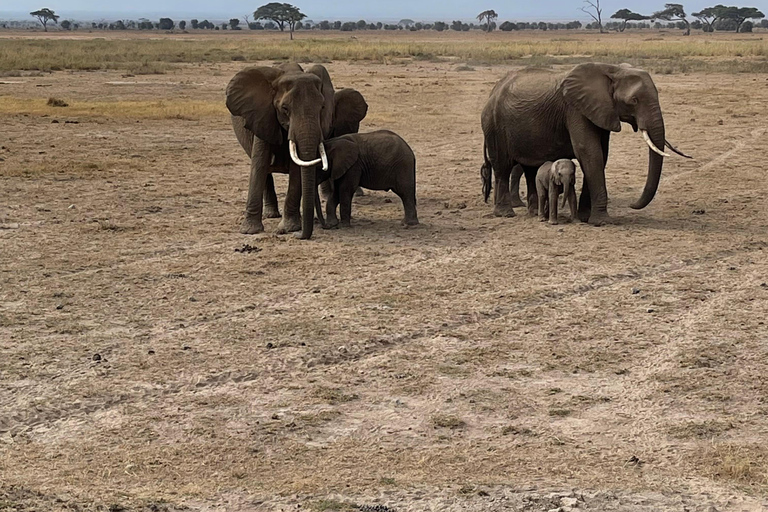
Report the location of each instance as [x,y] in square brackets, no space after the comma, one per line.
[589,89]
[250,94]
[349,110]
[326,117]
[342,155]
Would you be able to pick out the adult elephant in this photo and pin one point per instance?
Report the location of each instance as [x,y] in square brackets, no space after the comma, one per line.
[534,116]
[281,117]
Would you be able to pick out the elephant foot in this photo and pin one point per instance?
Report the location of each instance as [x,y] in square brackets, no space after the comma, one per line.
[359,192]
[503,210]
[299,235]
[553,223]
[410,222]
[516,202]
[271,212]
[542,219]
[289,225]
[251,225]
[346,224]
[599,219]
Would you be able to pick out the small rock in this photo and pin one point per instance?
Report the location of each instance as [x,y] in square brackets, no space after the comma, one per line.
[569,502]
[96,357]
[71,207]
[55,121]
[315,290]
[151,352]
[270,345]
[387,200]
[720,122]
[635,291]
[60,306]
[13,225]
[651,310]
[186,347]
[192,299]
[699,212]
[764,285]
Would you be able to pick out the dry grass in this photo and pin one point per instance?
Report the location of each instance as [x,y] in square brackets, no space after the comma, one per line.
[156,55]
[161,109]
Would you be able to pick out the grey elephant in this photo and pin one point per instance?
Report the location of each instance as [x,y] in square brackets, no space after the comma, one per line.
[379,160]
[534,115]
[281,116]
[553,179]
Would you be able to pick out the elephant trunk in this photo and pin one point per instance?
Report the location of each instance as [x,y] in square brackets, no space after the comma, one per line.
[655,134]
[308,151]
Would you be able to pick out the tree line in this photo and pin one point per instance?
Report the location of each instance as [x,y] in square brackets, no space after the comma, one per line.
[282,16]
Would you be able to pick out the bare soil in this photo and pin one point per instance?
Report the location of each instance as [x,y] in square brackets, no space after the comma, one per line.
[470,363]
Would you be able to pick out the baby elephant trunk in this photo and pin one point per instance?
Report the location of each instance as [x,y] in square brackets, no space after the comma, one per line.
[567,184]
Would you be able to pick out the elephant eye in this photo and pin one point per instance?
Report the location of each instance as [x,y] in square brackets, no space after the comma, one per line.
[633,101]
[285,109]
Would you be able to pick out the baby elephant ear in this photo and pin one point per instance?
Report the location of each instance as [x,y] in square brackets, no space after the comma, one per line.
[342,155]
[589,89]
[250,94]
[350,109]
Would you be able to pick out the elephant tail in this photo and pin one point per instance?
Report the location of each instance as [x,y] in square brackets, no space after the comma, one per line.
[486,172]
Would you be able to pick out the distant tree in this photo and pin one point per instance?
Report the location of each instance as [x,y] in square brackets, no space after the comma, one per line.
[626,15]
[270,25]
[456,25]
[255,25]
[489,16]
[337,25]
[166,24]
[281,14]
[205,24]
[182,25]
[45,16]
[595,11]
[405,22]
[440,26]
[223,26]
[542,26]
[145,24]
[234,23]
[710,15]
[747,26]
[379,25]
[507,26]
[742,14]
[66,25]
[325,25]
[348,26]
[118,25]
[673,12]
[361,25]
[372,26]
[247,20]
[195,24]
[764,23]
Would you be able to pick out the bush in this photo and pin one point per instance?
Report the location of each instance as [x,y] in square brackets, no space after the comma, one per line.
[440,26]
[747,26]
[507,26]
[348,26]
[166,24]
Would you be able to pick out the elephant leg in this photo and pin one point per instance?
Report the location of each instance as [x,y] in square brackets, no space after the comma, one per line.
[587,142]
[359,192]
[572,203]
[409,206]
[330,207]
[270,199]
[533,196]
[552,205]
[542,193]
[501,196]
[326,190]
[346,192]
[291,220]
[514,187]
[261,155]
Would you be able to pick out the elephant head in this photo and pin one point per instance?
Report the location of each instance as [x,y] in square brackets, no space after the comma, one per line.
[608,95]
[287,106]
[342,155]
[564,173]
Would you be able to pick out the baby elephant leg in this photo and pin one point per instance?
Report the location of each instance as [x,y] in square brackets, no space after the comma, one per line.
[542,197]
[409,206]
[553,204]
[346,192]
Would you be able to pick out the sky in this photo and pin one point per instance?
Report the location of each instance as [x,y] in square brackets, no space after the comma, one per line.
[317,10]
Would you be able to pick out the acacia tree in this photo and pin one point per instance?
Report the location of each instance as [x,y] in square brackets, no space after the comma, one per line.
[673,12]
[281,14]
[626,15]
[489,16]
[710,15]
[594,9]
[742,14]
[45,15]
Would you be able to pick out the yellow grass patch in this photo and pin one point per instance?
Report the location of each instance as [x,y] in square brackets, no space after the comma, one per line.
[162,109]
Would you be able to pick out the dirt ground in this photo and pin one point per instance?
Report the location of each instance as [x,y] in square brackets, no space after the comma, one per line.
[470,363]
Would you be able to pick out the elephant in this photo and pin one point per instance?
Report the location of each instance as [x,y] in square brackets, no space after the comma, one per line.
[281,116]
[534,115]
[553,179]
[379,160]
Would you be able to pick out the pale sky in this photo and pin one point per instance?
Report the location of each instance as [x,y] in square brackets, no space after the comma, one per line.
[317,10]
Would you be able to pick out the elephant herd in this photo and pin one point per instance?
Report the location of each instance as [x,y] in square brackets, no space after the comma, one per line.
[289,120]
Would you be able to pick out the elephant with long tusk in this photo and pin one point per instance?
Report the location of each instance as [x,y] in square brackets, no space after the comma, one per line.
[534,116]
[281,116]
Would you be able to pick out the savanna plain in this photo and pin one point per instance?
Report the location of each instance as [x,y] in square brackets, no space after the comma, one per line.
[469,363]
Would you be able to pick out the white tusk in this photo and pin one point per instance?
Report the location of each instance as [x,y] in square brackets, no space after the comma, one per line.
[298,161]
[323,157]
[651,145]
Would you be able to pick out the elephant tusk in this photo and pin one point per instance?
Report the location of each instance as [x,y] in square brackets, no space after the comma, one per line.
[323,157]
[298,161]
[673,148]
[651,144]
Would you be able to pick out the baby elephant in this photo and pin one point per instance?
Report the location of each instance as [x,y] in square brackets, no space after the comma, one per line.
[379,160]
[552,180]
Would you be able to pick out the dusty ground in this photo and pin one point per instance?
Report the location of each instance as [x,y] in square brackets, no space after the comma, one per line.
[471,363]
